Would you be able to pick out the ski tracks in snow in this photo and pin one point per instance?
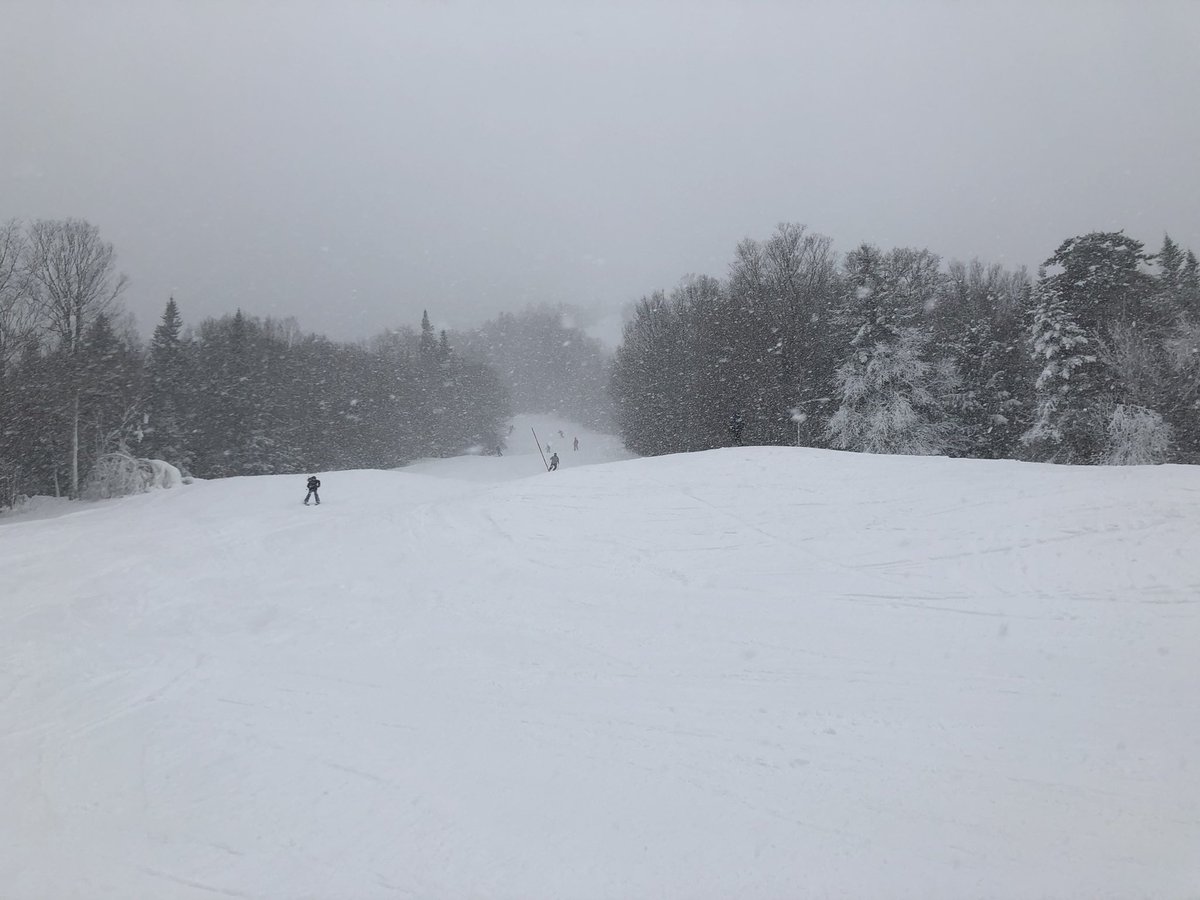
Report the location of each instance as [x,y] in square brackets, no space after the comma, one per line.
[726,674]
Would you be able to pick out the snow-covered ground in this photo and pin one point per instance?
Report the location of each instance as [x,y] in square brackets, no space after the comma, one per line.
[761,672]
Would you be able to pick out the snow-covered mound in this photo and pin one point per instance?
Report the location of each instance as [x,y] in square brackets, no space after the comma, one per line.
[762,672]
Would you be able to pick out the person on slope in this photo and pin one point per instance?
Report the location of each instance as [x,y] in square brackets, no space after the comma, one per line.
[736,425]
[576,443]
[553,461]
[313,484]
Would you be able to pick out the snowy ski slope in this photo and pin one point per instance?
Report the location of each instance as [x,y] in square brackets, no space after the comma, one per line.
[747,673]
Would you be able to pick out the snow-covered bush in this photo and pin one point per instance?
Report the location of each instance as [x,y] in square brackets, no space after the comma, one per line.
[14,503]
[1136,437]
[163,474]
[120,474]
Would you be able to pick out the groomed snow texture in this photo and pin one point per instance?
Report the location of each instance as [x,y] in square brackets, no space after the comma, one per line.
[746,673]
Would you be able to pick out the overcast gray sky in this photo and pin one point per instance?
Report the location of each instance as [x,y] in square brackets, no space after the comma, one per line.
[351,163]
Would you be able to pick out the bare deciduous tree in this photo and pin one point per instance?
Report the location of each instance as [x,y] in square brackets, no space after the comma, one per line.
[71,277]
[18,319]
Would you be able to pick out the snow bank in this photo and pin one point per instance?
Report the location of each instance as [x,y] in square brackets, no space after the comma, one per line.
[120,475]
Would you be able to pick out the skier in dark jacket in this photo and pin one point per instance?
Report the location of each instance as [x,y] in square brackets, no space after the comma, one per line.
[313,484]
[736,425]
[553,461]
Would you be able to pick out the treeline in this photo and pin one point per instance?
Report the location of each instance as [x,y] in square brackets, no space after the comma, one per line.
[1097,360]
[236,395]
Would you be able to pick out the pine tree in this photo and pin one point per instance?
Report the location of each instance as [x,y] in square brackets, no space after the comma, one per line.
[1098,317]
[1182,411]
[891,400]
[165,428]
[1189,287]
[427,345]
[977,323]
[240,431]
[884,293]
[1069,425]
[424,417]
[111,387]
[1099,279]
[1170,265]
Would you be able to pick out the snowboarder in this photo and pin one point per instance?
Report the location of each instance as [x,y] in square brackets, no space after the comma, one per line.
[313,484]
[576,443]
[553,461]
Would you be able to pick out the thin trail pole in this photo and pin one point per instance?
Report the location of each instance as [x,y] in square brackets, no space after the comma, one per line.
[539,446]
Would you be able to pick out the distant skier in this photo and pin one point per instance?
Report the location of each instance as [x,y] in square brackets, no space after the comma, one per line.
[736,425]
[313,484]
[553,461]
[560,433]
[576,443]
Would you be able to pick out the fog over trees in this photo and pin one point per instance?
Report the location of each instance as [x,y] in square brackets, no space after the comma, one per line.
[1095,360]
[549,364]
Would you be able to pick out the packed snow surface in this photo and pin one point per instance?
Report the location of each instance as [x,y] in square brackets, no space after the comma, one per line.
[746,673]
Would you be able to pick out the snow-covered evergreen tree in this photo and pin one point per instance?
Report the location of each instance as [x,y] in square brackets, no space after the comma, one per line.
[243,427]
[891,400]
[1182,355]
[1170,261]
[1101,281]
[977,323]
[164,429]
[1071,385]
[111,395]
[1189,286]
[1096,313]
